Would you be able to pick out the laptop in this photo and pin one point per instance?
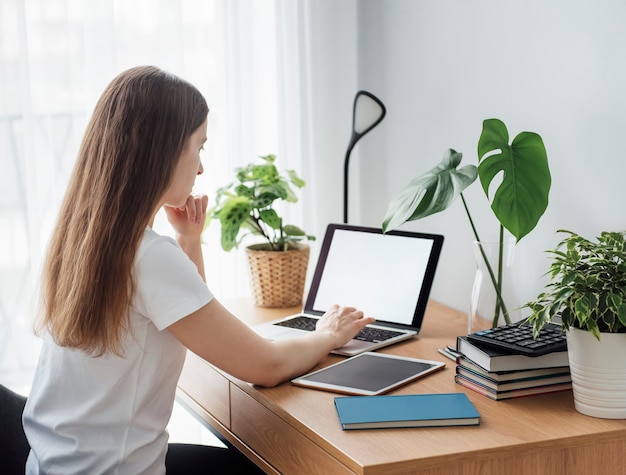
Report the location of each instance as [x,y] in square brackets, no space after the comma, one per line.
[388,276]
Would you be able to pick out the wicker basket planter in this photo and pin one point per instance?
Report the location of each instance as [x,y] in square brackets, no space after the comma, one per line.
[277,278]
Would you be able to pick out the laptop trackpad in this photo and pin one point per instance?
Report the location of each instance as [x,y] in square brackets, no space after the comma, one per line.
[276,332]
[353,347]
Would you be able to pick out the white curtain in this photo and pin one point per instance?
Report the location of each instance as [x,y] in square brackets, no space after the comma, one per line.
[279,77]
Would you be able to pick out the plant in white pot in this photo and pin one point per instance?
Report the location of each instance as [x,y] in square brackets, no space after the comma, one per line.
[520,171]
[587,292]
[247,207]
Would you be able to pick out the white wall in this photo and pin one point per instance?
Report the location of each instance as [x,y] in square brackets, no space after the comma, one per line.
[554,67]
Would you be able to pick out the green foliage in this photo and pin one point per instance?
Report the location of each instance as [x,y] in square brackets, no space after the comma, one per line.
[520,198]
[587,286]
[246,207]
[430,193]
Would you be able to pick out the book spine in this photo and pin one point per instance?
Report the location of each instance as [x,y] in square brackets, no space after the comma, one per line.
[542,380]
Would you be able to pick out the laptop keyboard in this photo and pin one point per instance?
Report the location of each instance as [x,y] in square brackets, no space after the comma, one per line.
[370,334]
[376,335]
[300,322]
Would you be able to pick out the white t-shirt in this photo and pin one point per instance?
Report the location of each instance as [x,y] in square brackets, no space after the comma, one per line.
[109,414]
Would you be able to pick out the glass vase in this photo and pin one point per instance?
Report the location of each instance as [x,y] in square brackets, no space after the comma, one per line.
[487,308]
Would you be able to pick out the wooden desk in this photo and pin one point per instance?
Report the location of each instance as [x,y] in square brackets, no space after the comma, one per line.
[294,430]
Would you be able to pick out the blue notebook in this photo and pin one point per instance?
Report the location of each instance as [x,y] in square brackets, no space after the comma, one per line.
[411,410]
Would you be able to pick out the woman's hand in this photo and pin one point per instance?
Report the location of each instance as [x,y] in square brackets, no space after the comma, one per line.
[188,221]
[343,322]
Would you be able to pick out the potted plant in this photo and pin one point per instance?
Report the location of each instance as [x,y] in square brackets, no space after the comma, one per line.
[587,292]
[247,207]
[519,201]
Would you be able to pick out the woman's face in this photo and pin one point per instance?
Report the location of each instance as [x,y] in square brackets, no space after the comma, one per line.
[189,166]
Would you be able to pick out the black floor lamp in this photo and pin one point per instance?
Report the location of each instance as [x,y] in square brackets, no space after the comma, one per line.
[368,111]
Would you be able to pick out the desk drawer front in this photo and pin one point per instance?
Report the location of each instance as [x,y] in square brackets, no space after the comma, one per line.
[207,387]
[277,442]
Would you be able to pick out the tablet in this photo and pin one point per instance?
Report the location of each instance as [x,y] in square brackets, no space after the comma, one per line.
[368,374]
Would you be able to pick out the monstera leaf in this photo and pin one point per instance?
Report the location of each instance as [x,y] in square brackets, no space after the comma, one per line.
[521,197]
[430,193]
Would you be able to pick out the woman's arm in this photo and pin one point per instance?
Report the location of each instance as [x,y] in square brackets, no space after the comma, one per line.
[219,337]
[223,340]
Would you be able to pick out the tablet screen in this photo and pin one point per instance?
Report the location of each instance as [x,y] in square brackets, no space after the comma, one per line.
[368,374]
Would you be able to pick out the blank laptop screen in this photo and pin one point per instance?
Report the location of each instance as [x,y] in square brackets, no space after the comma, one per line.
[387,276]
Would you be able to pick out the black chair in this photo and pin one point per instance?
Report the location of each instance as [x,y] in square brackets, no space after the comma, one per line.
[182,458]
[14,446]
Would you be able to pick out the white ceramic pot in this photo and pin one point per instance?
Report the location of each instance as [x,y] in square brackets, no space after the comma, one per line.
[598,373]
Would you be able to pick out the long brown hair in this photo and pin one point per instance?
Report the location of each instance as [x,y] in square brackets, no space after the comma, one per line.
[125,164]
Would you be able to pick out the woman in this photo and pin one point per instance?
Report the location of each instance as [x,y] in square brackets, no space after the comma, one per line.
[121,303]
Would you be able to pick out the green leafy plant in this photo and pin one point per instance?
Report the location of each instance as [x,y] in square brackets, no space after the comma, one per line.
[247,206]
[522,175]
[587,286]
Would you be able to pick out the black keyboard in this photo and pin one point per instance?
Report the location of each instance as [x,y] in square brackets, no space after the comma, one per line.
[300,322]
[518,339]
[371,334]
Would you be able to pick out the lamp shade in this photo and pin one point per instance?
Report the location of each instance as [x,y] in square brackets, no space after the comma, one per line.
[367,112]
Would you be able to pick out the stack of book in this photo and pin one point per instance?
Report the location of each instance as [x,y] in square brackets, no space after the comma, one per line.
[499,375]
